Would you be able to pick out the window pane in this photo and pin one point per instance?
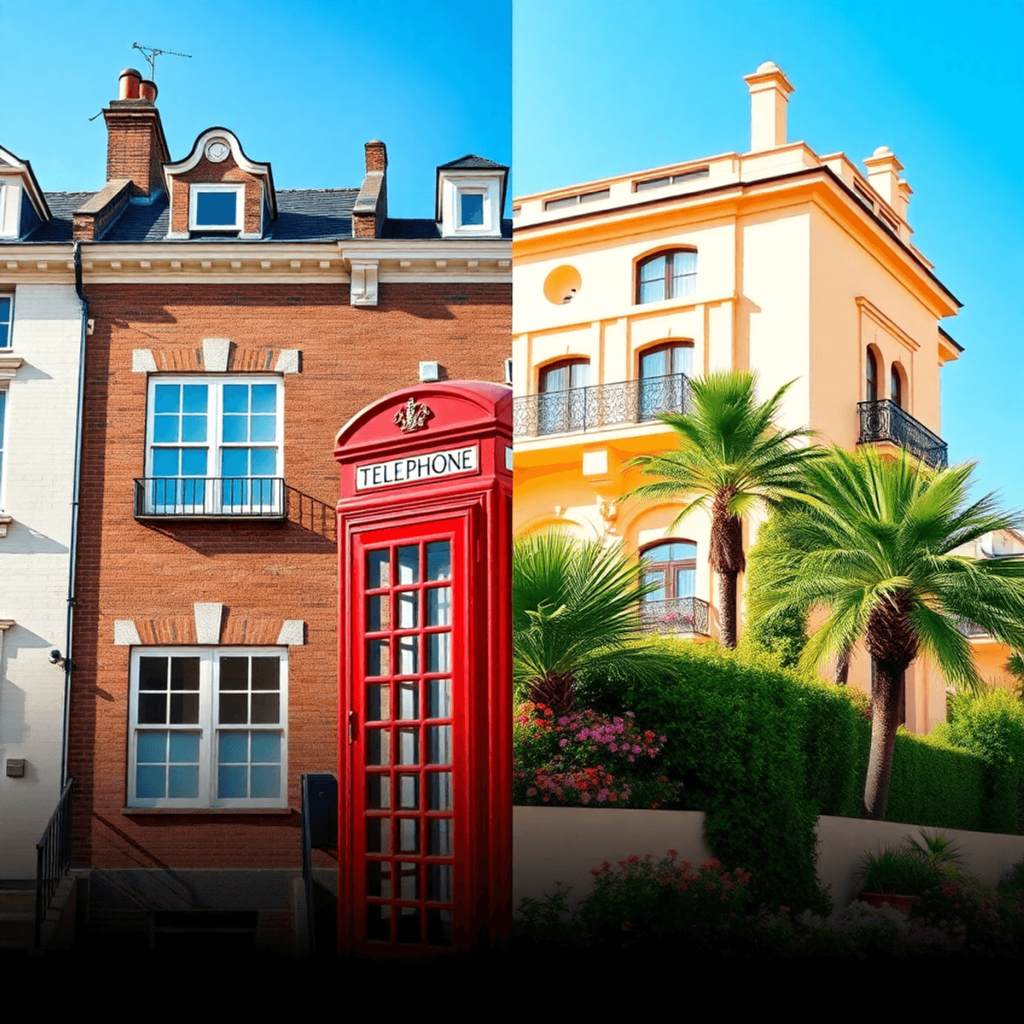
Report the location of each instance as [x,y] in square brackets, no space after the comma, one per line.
[153,673]
[236,428]
[151,747]
[165,429]
[378,569]
[266,747]
[234,747]
[263,428]
[266,708]
[234,673]
[167,398]
[265,782]
[264,462]
[439,561]
[439,698]
[264,398]
[193,463]
[183,782]
[266,673]
[193,428]
[216,209]
[439,791]
[150,782]
[194,397]
[472,209]
[439,606]
[231,781]
[409,564]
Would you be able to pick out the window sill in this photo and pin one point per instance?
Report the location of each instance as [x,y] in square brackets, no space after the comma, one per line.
[131,812]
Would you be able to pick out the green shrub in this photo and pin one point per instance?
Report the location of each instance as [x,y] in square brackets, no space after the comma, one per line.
[899,871]
[738,737]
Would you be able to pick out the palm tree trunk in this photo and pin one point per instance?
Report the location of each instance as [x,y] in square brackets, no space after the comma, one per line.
[843,667]
[885,699]
[727,606]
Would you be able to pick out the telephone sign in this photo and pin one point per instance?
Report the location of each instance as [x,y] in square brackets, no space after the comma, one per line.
[425,704]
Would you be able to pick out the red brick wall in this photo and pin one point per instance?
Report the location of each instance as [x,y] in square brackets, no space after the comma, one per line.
[135,148]
[260,571]
[228,172]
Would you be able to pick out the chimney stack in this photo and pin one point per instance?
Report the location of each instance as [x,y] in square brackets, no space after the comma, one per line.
[371,206]
[769,98]
[136,146]
[884,176]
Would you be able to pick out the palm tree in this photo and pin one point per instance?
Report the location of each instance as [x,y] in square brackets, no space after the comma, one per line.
[731,456]
[873,550]
[574,608]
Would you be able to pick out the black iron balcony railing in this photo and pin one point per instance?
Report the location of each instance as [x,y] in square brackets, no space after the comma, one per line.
[676,615]
[884,420]
[970,629]
[604,405]
[248,497]
[53,856]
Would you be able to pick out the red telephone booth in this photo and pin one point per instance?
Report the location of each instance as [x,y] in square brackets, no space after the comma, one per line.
[425,708]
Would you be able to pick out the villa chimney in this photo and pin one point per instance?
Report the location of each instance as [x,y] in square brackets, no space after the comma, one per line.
[884,176]
[136,146]
[769,97]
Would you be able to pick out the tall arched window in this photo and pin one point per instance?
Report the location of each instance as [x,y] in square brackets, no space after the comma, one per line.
[667,275]
[562,398]
[662,387]
[871,373]
[896,386]
[672,564]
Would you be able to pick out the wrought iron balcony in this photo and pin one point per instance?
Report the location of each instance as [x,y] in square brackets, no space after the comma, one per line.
[604,405]
[676,615]
[884,420]
[250,497]
[970,629]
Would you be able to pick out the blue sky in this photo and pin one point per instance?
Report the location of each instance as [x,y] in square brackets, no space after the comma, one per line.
[604,87]
[302,84]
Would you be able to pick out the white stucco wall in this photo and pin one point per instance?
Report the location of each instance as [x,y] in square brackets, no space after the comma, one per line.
[34,558]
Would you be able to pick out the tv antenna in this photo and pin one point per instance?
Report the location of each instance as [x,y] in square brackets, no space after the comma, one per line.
[152,52]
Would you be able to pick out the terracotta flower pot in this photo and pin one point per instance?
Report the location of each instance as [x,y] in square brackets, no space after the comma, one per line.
[876,899]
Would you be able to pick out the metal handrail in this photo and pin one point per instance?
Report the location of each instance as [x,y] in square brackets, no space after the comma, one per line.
[53,856]
[676,615]
[248,497]
[603,405]
[884,420]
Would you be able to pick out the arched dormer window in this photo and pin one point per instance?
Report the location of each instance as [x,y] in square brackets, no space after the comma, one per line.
[667,275]
[662,371]
[871,377]
[562,399]
[896,386]
[672,565]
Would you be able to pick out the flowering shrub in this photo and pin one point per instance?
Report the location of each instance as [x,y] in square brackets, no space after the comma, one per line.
[646,899]
[585,759]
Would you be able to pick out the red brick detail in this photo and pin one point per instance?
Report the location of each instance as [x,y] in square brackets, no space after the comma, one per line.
[263,572]
[136,147]
[376,155]
[226,172]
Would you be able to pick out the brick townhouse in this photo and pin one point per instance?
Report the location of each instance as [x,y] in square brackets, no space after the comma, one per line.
[233,330]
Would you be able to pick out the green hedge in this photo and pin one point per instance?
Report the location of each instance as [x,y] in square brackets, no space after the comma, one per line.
[763,751]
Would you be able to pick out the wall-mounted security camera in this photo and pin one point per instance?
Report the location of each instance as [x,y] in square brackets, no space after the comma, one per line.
[56,658]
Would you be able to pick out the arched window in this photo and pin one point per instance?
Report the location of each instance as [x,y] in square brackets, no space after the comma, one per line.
[662,387]
[672,564]
[896,386]
[667,275]
[562,399]
[871,373]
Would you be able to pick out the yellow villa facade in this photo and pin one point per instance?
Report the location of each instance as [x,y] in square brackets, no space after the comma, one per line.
[795,265]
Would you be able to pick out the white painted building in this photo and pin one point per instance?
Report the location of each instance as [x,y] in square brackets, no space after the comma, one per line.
[41,332]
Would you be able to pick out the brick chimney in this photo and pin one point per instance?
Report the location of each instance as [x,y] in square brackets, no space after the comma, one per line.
[136,146]
[371,206]
[769,98]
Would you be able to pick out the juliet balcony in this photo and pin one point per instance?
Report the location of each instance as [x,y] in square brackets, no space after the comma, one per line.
[884,421]
[603,405]
[210,498]
[678,615]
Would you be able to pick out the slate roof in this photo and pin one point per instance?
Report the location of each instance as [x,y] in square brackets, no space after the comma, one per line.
[470,162]
[303,215]
[401,227]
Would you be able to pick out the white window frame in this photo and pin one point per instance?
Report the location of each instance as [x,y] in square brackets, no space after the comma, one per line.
[213,497]
[7,340]
[209,728]
[195,191]
[453,189]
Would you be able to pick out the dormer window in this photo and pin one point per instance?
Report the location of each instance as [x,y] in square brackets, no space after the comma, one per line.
[470,198]
[215,207]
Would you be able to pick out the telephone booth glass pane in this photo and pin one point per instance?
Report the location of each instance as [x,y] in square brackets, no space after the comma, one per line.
[404,704]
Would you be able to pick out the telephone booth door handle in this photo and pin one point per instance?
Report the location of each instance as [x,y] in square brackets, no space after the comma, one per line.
[351,727]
